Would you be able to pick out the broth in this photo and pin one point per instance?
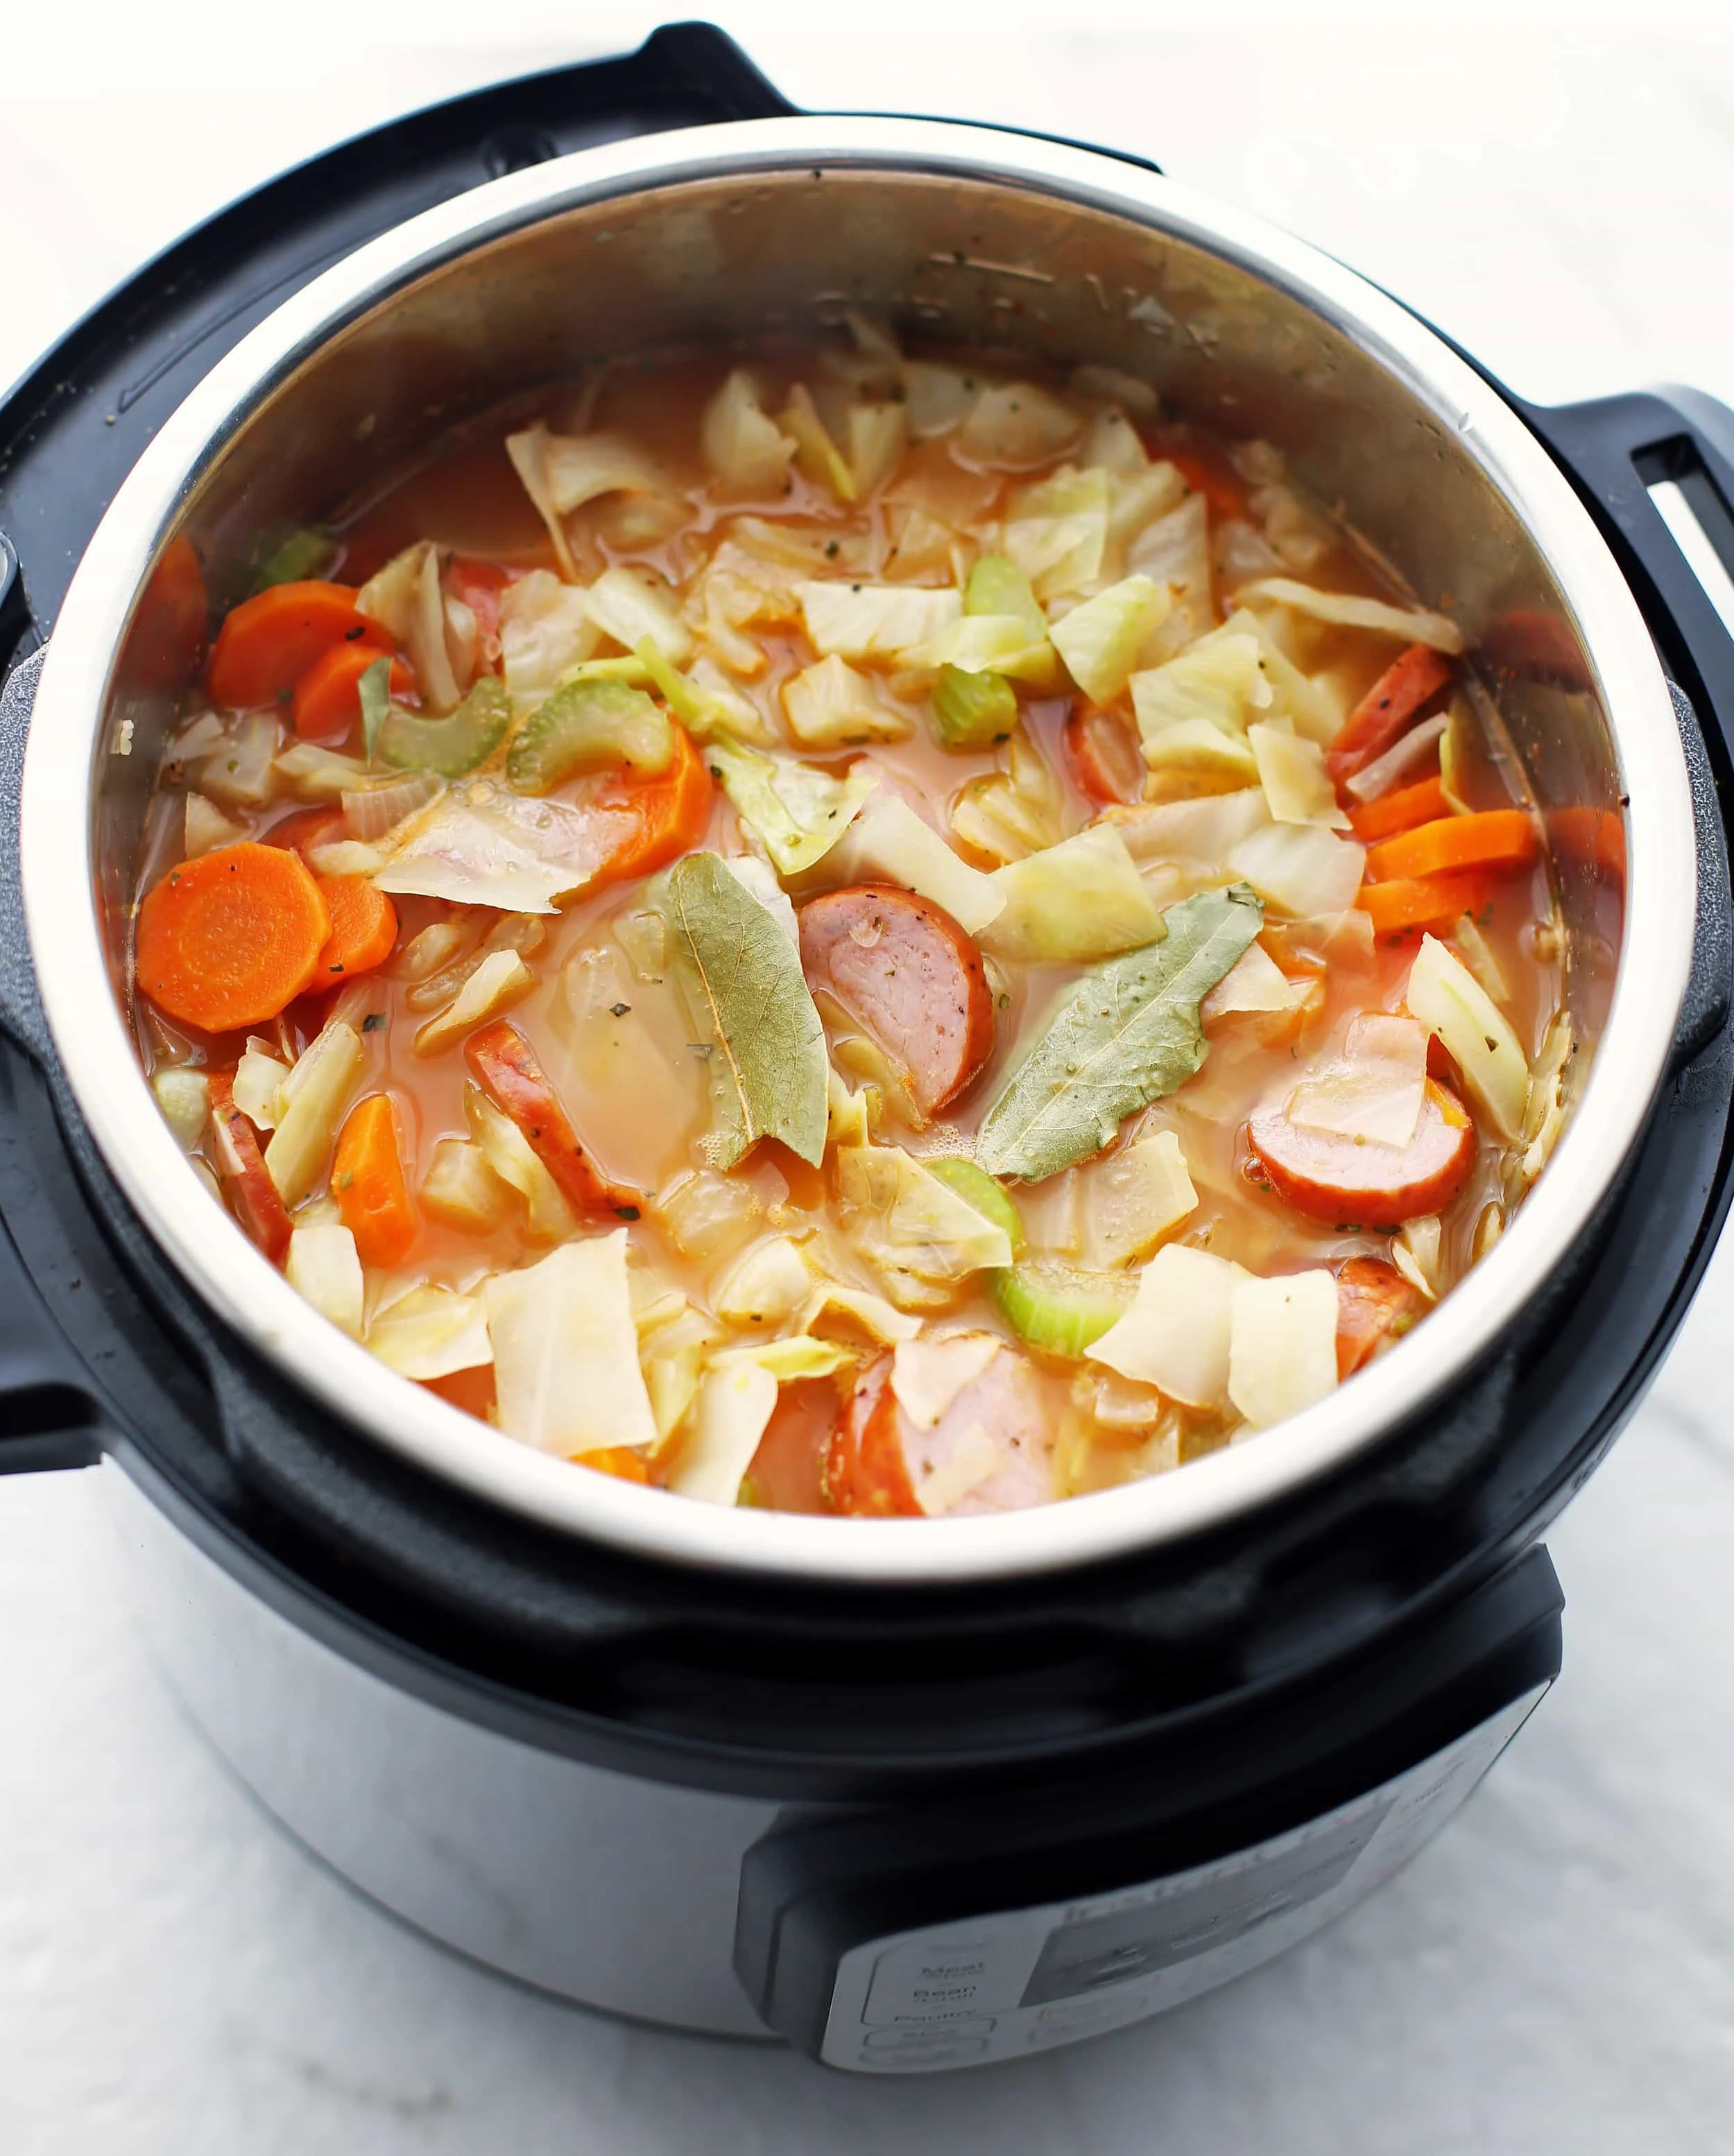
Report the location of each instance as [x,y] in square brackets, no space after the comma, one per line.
[1100,1340]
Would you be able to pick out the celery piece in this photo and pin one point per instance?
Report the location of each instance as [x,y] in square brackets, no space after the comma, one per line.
[294,557]
[583,726]
[456,744]
[972,710]
[977,1187]
[374,689]
[1060,1307]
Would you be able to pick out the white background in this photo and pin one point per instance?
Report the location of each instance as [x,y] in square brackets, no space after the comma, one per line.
[1557,1974]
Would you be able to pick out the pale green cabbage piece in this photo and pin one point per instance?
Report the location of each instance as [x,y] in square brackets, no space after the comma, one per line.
[1448,999]
[566,1351]
[1102,639]
[1301,869]
[1176,1335]
[735,1401]
[743,445]
[1057,531]
[323,1268]
[891,841]
[1079,901]
[1282,1345]
[858,620]
[481,844]
[798,811]
[915,1231]
[431,1332]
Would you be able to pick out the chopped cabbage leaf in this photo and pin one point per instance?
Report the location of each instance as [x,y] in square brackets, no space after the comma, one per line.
[462,1190]
[1448,999]
[991,643]
[1219,680]
[1300,868]
[323,1268]
[998,587]
[1012,812]
[205,827]
[1173,550]
[501,979]
[1057,531]
[766,1286]
[629,605]
[1296,783]
[878,435]
[243,768]
[877,1318]
[483,844]
[1254,982]
[891,841]
[791,1360]
[916,1232]
[1200,833]
[759,878]
[927,1375]
[819,457]
[1412,624]
[258,1080]
[1014,422]
[1282,1346]
[1176,1335]
[829,705]
[1102,639]
[562,472]
[874,621]
[1130,1199]
[566,1351]
[735,1403]
[1069,904]
[431,1332]
[1405,755]
[405,598]
[1415,1253]
[1311,708]
[798,811]
[184,1098]
[514,1161]
[310,1107]
[937,398]
[1372,1092]
[1198,747]
[743,445]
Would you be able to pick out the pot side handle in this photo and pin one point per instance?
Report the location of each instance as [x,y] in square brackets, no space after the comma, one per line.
[1618,452]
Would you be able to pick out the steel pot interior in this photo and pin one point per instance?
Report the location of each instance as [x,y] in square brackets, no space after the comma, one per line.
[728,236]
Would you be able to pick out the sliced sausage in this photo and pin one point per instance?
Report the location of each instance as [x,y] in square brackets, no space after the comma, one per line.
[990,1451]
[505,1068]
[241,1171]
[902,967]
[1394,701]
[1356,1182]
[1374,1304]
[1105,757]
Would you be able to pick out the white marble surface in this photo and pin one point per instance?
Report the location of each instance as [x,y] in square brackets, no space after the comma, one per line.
[1557,1974]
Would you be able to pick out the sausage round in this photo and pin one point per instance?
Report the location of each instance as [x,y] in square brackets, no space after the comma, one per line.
[1373,1302]
[880,1464]
[903,968]
[1349,1182]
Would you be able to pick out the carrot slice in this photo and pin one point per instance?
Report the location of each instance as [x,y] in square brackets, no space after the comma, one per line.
[241,1171]
[505,1068]
[624,1462]
[327,702]
[231,938]
[1222,487]
[1407,904]
[1495,838]
[364,927]
[268,642]
[671,809]
[368,1184]
[1401,811]
[1374,1302]
[1103,755]
[1398,697]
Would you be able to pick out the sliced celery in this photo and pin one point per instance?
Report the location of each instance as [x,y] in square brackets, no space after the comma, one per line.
[456,744]
[1060,1307]
[294,557]
[583,726]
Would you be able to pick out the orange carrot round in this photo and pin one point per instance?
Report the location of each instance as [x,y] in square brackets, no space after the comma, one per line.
[671,809]
[268,642]
[327,702]
[1408,904]
[624,1462]
[368,1182]
[229,939]
[364,927]
[1401,811]
[1495,840]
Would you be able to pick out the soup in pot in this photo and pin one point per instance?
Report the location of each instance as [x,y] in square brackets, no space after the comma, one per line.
[859,934]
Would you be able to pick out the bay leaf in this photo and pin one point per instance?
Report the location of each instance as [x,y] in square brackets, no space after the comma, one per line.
[751,1011]
[1127,1034]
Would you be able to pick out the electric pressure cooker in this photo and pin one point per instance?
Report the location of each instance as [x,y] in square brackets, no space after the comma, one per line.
[910,1795]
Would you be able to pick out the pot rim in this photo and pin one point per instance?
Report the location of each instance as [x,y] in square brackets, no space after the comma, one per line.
[93,1041]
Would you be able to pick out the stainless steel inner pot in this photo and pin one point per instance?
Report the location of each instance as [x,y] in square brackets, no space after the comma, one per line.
[729,235]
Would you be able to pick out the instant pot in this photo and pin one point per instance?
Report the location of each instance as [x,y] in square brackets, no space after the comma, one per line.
[910,1795]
